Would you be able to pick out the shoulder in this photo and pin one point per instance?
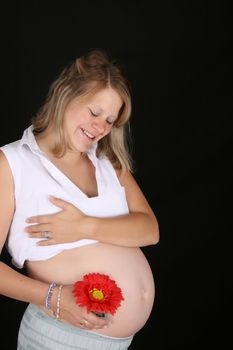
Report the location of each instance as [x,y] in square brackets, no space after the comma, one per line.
[3,161]
[125,178]
[5,172]
[10,148]
[7,203]
[10,153]
[5,166]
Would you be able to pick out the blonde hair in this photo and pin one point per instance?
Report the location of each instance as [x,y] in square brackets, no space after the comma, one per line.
[83,77]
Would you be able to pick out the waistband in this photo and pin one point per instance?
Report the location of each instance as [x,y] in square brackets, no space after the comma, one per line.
[38,331]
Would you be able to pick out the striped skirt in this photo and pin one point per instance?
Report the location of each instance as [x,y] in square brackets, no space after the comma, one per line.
[38,331]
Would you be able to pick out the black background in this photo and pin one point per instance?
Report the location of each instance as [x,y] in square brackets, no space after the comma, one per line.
[177,55]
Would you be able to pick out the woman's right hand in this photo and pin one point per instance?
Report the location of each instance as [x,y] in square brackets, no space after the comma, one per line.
[67,225]
[71,313]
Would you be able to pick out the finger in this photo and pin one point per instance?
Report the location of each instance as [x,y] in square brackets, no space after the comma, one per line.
[59,202]
[37,229]
[35,234]
[89,325]
[46,242]
[85,324]
[101,326]
[98,324]
[94,322]
[42,219]
[39,234]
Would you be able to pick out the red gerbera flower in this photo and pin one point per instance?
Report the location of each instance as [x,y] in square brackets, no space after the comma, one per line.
[98,293]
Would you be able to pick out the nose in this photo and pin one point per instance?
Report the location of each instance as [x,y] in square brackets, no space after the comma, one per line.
[99,124]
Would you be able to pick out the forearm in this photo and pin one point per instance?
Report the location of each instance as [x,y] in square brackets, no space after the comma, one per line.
[131,230]
[18,286]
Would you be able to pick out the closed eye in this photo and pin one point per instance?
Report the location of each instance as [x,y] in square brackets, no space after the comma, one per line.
[93,114]
[110,122]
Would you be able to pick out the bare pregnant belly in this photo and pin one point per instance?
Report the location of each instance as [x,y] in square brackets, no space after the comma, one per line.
[127,266]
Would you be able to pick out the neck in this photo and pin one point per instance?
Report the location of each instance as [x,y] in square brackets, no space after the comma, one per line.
[45,141]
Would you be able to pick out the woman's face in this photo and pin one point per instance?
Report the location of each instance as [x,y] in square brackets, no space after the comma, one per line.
[88,121]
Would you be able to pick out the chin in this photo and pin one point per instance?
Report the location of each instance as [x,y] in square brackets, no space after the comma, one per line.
[81,148]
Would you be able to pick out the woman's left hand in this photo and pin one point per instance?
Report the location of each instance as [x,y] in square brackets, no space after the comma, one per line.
[63,227]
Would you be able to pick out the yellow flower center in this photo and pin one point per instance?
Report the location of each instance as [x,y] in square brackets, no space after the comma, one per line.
[97,294]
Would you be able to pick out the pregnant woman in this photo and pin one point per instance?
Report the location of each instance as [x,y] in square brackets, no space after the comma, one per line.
[70,209]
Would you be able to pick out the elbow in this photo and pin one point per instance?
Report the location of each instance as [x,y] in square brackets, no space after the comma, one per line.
[154,233]
[149,232]
[155,236]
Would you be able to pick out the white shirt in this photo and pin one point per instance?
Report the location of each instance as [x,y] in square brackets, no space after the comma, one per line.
[35,178]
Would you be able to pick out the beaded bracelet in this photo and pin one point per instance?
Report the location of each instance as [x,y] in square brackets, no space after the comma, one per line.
[49,295]
[58,301]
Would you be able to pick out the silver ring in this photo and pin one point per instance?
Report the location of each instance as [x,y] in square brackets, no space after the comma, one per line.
[84,323]
[46,234]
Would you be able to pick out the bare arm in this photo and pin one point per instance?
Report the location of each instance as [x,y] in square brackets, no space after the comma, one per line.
[20,287]
[138,228]
[12,283]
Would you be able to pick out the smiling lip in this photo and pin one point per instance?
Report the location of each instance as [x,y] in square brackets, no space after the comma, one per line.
[88,134]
